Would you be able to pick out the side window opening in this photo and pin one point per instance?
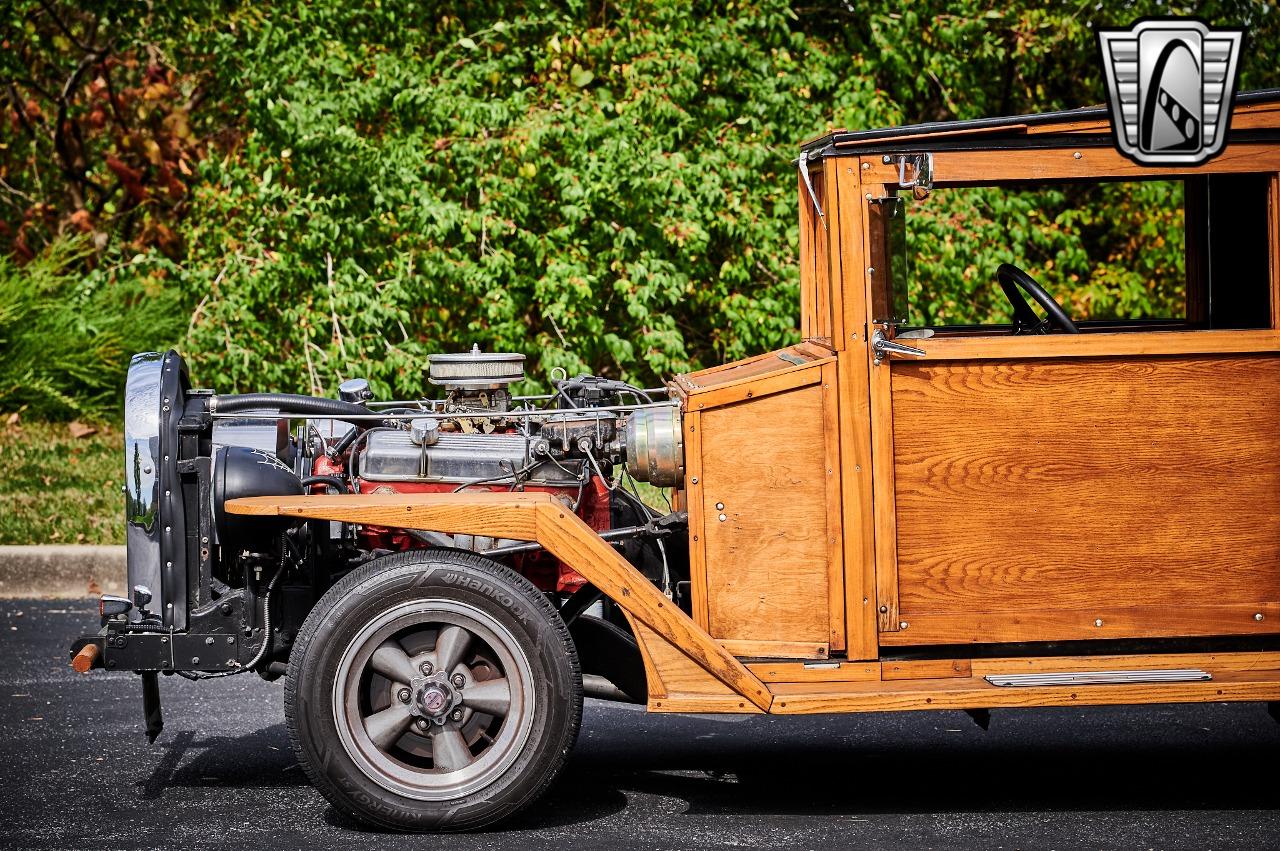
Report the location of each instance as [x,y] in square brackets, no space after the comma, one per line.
[1160,254]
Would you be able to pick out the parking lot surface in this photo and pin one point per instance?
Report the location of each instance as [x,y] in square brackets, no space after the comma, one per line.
[79,774]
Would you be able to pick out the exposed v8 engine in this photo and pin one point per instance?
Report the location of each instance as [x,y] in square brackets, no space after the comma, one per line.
[216,593]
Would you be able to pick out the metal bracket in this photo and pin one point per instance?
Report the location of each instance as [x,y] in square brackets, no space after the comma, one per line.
[884,347]
[803,163]
[921,183]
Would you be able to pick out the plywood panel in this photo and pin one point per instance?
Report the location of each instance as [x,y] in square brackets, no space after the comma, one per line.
[1145,486]
[764,471]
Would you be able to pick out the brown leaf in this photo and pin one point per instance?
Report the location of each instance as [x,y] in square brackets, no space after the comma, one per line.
[12,419]
[80,430]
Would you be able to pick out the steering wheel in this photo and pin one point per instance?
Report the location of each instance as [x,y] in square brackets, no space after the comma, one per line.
[1025,321]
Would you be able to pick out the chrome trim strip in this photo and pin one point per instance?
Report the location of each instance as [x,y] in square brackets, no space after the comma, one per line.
[1100,678]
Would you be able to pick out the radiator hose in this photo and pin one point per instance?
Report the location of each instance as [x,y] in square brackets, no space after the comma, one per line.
[291,403]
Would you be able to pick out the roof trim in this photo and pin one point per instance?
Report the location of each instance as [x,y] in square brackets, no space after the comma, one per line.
[986,128]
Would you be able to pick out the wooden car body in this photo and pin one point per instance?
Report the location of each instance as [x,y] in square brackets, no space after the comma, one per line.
[1006,521]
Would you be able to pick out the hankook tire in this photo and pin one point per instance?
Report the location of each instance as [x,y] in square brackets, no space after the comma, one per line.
[433,690]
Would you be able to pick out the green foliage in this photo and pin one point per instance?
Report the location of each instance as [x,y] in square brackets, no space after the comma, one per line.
[1105,251]
[335,189]
[67,337]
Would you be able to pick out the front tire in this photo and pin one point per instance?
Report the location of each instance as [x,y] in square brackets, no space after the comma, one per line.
[433,690]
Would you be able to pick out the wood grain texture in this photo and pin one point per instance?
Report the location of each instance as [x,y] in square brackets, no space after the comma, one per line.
[573,542]
[926,669]
[985,167]
[774,671]
[1029,622]
[882,459]
[693,477]
[1004,346]
[508,515]
[1036,497]
[1242,662]
[807,258]
[835,286]
[1273,216]
[857,512]
[756,649]
[763,470]
[975,693]
[835,548]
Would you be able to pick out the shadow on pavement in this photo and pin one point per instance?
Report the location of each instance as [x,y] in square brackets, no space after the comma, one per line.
[760,769]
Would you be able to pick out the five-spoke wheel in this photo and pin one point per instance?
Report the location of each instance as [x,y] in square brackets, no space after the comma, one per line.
[433,690]
[431,701]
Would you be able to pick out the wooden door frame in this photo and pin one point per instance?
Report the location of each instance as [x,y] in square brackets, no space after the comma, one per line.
[851,183]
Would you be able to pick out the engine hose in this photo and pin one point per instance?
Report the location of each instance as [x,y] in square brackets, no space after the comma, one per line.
[331,481]
[346,441]
[291,403]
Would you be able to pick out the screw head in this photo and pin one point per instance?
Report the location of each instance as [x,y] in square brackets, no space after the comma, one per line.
[426,668]
[886,159]
[1259,616]
[404,695]
[1098,622]
[903,625]
[459,681]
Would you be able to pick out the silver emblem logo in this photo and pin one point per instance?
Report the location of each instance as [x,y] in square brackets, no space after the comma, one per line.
[1170,86]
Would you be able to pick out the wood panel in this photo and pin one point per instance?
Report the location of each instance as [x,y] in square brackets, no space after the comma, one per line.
[882,458]
[677,684]
[769,649]
[832,496]
[852,366]
[764,473]
[831,671]
[815,282]
[1021,622]
[1104,344]
[1273,217]
[1036,497]
[976,693]
[1092,163]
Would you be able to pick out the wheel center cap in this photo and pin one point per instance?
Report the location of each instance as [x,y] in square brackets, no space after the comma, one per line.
[434,699]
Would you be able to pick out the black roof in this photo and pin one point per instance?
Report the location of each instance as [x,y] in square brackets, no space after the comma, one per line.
[985,132]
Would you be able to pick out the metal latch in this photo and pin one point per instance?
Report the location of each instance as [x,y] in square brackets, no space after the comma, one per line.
[921,183]
[884,347]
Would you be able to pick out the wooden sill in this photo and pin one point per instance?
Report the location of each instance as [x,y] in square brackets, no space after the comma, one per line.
[1096,345]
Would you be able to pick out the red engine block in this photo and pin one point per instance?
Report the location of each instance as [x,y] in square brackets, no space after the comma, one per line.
[540,567]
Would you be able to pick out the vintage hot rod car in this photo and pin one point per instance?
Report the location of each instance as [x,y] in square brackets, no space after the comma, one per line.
[892,514]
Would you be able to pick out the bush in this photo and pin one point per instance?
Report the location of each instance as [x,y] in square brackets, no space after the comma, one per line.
[67,336]
[339,189]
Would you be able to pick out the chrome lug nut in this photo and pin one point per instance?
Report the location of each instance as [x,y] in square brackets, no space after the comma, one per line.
[426,668]
[459,681]
[457,715]
[404,695]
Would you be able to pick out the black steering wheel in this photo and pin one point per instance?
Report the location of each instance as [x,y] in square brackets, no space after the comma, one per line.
[1025,321]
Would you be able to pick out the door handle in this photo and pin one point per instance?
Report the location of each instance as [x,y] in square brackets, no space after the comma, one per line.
[884,347]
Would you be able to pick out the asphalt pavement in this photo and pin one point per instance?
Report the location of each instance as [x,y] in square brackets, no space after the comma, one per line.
[78,773]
